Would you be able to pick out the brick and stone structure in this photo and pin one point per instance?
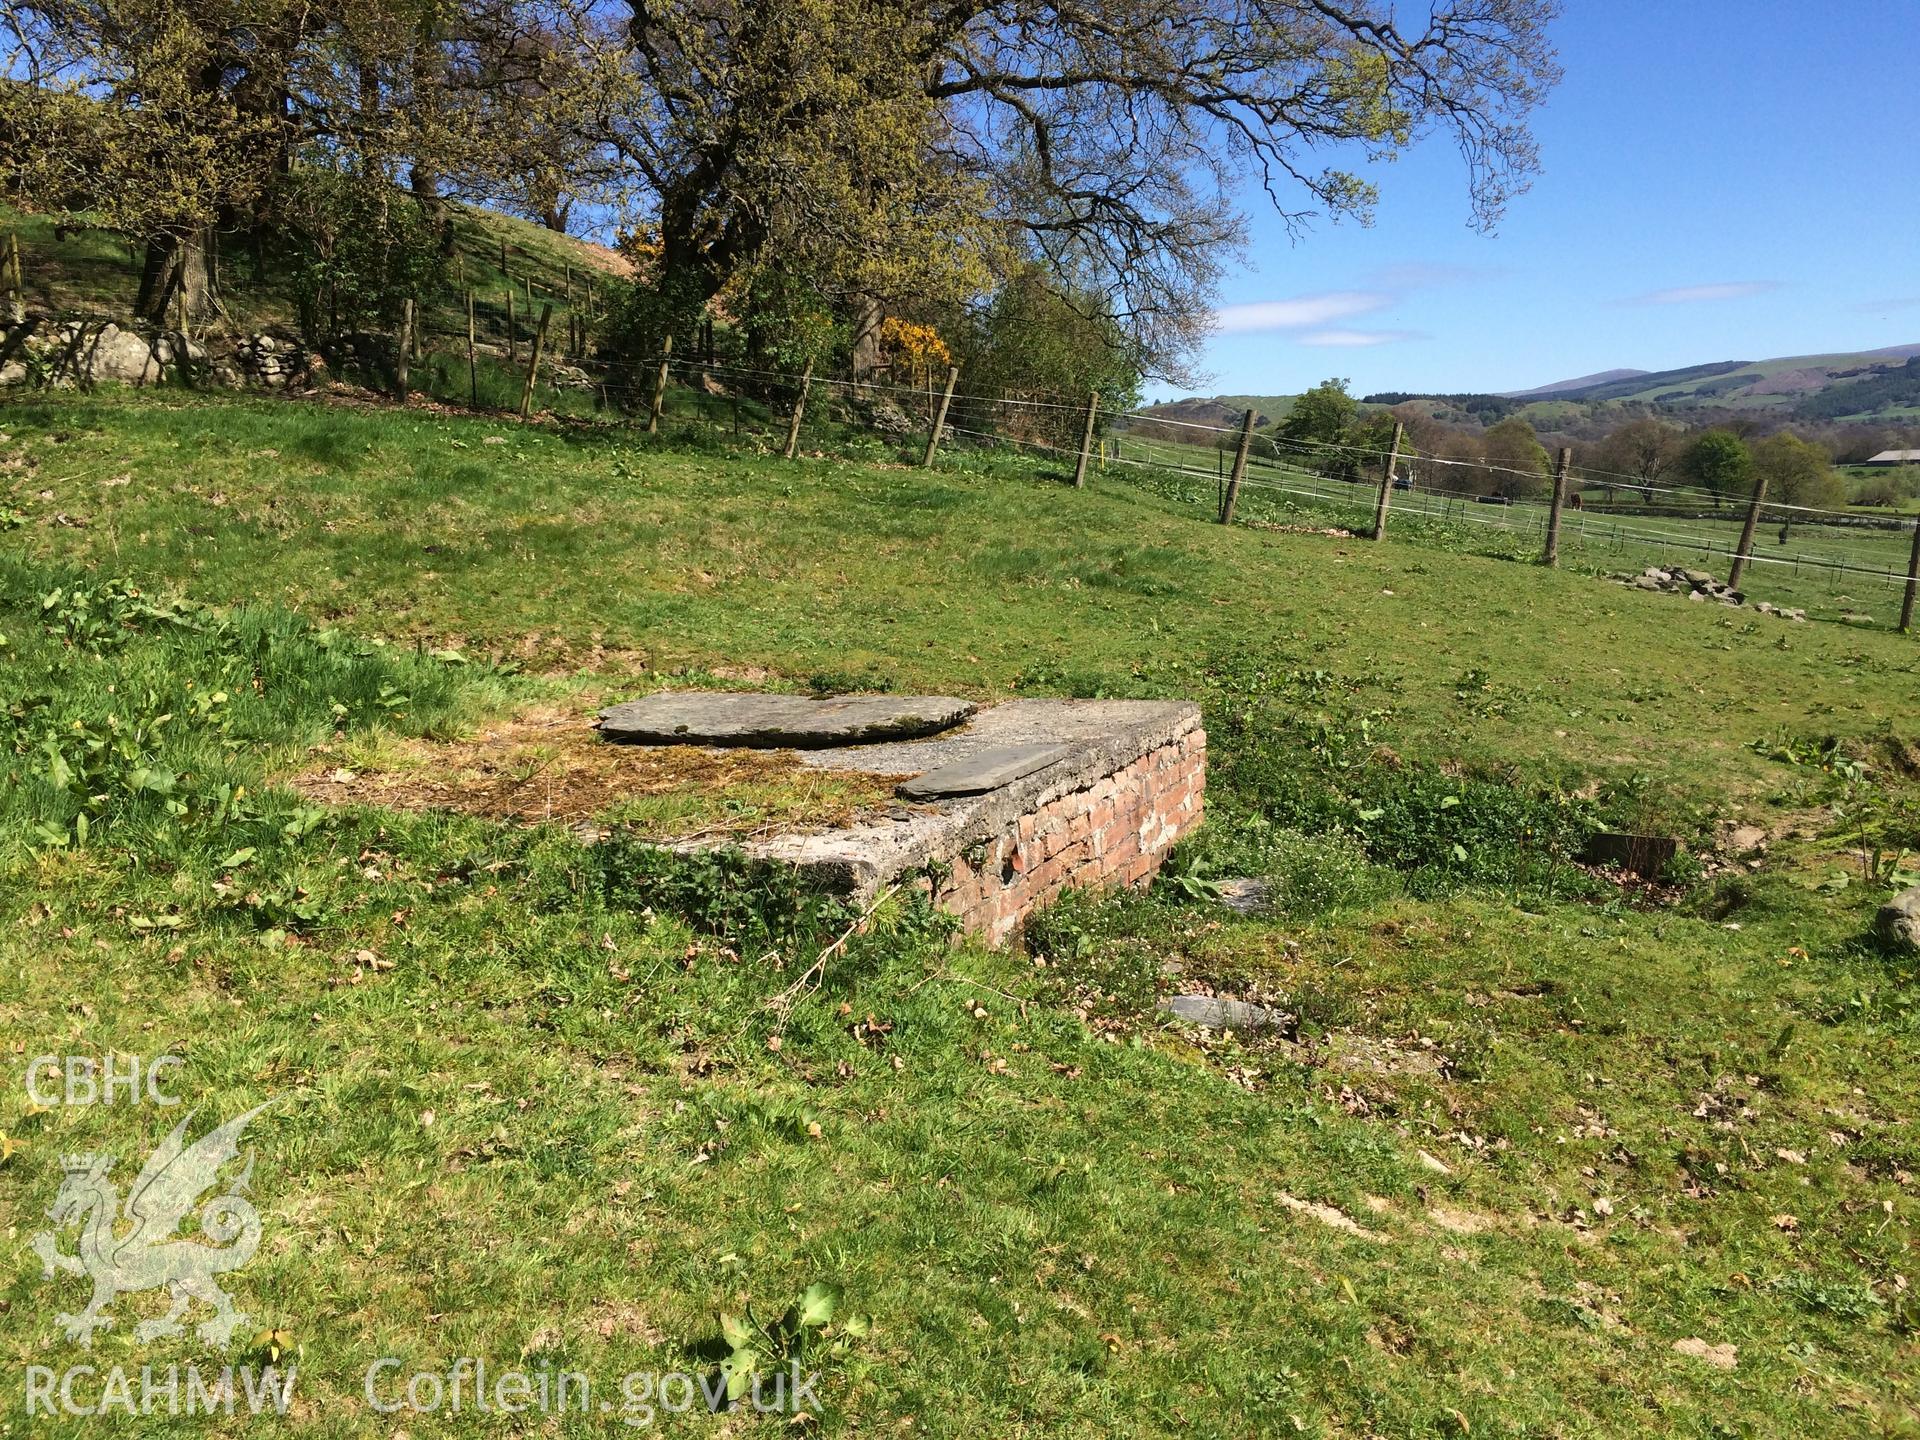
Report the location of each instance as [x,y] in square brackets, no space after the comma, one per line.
[1111,829]
[1127,781]
[995,815]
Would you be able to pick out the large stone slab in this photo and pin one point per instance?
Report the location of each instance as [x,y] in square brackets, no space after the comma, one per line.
[983,771]
[777,722]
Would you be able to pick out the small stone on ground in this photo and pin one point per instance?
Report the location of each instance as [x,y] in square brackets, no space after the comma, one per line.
[1246,896]
[1218,1014]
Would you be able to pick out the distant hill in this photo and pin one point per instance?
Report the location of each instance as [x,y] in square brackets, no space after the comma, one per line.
[1881,386]
[1222,410]
[1861,385]
[1560,387]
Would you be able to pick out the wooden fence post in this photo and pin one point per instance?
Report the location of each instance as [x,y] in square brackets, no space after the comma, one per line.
[533,365]
[1086,441]
[1913,583]
[513,344]
[799,409]
[503,261]
[1752,524]
[403,350]
[1560,468]
[1385,501]
[940,420]
[473,364]
[10,278]
[660,386]
[1239,470]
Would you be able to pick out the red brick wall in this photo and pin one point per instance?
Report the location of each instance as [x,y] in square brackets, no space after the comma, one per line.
[1114,831]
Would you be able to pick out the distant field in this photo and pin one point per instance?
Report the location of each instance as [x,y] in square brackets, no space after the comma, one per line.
[1834,571]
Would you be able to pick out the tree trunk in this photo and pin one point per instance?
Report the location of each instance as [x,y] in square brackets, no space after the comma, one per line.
[176,264]
[866,336]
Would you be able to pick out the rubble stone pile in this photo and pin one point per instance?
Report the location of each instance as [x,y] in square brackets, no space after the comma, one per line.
[1700,586]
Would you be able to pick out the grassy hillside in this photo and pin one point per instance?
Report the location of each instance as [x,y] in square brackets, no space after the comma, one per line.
[92,273]
[1542,1153]
[1789,383]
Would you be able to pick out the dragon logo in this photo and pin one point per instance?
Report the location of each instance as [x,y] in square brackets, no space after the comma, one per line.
[151,1254]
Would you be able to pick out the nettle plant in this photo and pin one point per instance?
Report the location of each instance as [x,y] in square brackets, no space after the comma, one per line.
[759,1351]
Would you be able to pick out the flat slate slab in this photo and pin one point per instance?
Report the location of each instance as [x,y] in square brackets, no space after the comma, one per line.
[779,722]
[982,771]
[1219,1014]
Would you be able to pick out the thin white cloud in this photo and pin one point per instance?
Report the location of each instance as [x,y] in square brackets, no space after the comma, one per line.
[1700,294]
[1299,313]
[1357,339]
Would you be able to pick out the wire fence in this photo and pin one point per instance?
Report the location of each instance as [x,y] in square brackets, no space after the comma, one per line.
[1825,562]
[1828,562]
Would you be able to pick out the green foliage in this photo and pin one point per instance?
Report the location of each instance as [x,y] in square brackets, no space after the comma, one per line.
[1037,342]
[1322,416]
[760,1352]
[143,718]
[1100,948]
[1520,465]
[360,248]
[160,148]
[1312,768]
[755,906]
[1718,461]
[1797,473]
[1878,492]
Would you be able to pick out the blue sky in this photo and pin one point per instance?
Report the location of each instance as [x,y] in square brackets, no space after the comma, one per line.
[1725,180]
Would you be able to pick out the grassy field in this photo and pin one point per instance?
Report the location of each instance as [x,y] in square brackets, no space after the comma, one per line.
[1544,1153]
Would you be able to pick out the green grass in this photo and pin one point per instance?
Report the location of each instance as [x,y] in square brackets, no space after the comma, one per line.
[527,1106]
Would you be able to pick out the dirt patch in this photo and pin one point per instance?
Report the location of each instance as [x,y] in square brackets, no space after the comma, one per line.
[1330,1216]
[1370,1054]
[1721,1357]
[1460,1222]
[550,765]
